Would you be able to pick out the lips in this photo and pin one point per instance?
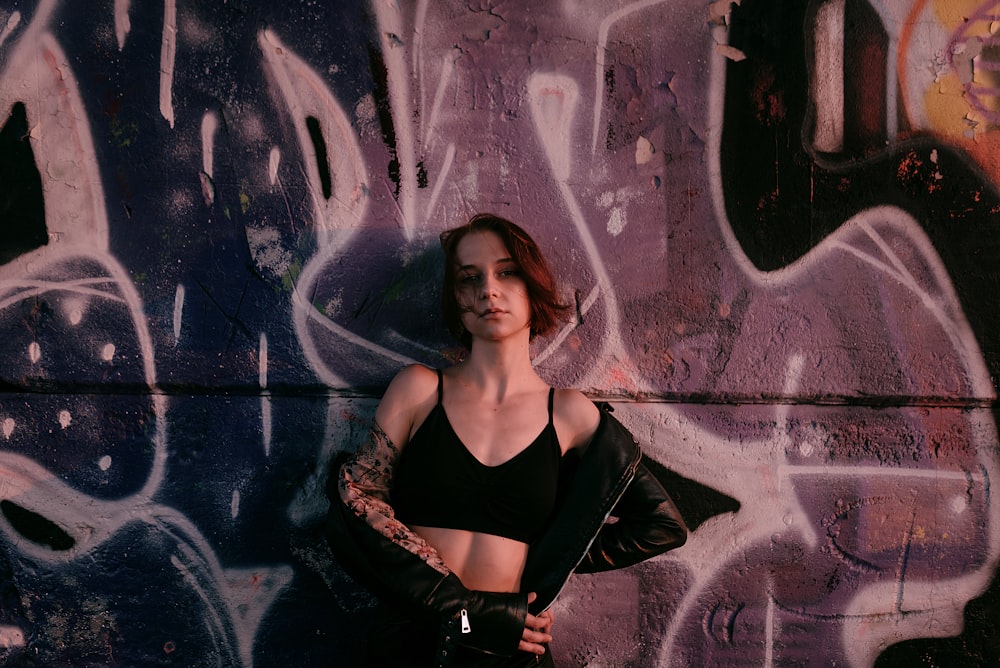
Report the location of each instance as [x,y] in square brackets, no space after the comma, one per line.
[491,311]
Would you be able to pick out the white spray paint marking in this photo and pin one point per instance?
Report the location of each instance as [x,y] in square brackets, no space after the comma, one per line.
[449,158]
[209,124]
[553,104]
[273,160]
[108,352]
[265,397]
[8,427]
[235,599]
[959,504]
[399,78]
[552,100]
[104,463]
[308,95]
[75,310]
[617,221]
[65,419]
[12,22]
[600,59]
[262,361]
[447,74]
[234,504]
[168,52]
[34,352]
[265,420]
[37,72]
[123,25]
[178,311]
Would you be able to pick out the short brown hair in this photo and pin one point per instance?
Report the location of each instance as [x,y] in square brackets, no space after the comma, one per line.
[547,311]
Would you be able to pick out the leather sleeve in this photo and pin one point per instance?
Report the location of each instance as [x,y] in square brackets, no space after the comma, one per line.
[399,566]
[648,523]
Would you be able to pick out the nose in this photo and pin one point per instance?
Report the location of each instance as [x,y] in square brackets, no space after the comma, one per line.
[488,287]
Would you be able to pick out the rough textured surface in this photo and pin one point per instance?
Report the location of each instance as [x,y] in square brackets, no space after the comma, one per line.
[779,221]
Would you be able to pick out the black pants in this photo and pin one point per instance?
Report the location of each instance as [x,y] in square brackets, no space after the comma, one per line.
[399,640]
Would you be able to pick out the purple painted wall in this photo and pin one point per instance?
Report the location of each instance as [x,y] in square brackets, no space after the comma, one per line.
[779,221]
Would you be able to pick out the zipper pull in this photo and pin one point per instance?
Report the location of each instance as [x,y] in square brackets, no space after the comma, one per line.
[465,621]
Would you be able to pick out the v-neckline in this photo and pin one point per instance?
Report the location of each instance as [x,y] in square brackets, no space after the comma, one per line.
[465,448]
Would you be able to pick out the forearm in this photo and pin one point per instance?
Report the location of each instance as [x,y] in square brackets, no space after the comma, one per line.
[401,567]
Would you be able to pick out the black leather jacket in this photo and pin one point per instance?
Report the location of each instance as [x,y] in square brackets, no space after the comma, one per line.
[402,570]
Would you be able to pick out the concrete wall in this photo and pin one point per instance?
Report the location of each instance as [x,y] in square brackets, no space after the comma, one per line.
[779,221]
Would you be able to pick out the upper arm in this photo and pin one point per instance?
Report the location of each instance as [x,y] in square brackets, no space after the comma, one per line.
[576,419]
[410,395]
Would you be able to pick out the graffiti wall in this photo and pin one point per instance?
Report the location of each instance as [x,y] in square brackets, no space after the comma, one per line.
[779,222]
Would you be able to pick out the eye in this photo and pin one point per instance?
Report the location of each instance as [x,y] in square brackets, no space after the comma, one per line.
[468,279]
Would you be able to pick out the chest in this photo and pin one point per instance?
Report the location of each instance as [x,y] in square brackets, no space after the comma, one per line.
[496,434]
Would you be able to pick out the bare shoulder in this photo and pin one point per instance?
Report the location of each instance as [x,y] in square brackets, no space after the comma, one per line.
[575,417]
[410,396]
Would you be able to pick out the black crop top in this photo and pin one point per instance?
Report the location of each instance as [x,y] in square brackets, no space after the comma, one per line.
[439,483]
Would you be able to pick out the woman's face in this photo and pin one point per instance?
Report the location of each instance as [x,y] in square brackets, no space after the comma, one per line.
[490,290]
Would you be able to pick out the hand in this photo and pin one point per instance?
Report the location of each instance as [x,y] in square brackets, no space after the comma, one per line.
[536,630]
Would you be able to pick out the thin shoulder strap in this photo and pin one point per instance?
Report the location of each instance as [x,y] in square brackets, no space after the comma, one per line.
[440,387]
[552,395]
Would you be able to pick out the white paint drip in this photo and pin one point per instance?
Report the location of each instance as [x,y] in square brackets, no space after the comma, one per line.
[75,314]
[34,352]
[273,160]
[65,419]
[449,158]
[168,52]
[447,74]
[178,311]
[262,361]
[104,463]
[553,106]
[108,352]
[123,25]
[209,124]
[265,421]
[234,504]
[8,427]
[12,22]
[769,629]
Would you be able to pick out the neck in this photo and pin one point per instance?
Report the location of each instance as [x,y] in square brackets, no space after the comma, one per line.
[499,367]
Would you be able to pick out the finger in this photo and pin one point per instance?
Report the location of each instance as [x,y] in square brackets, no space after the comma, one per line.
[542,622]
[533,648]
[539,623]
[531,635]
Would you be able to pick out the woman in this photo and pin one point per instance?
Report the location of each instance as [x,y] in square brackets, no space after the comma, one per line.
[480,489]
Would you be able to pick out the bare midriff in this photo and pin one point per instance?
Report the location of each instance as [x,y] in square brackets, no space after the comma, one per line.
[482,561]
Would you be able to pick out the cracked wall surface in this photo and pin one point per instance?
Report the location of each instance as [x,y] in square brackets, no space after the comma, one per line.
[778,221]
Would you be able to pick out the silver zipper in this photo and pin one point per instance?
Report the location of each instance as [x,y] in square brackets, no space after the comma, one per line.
[466,628]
